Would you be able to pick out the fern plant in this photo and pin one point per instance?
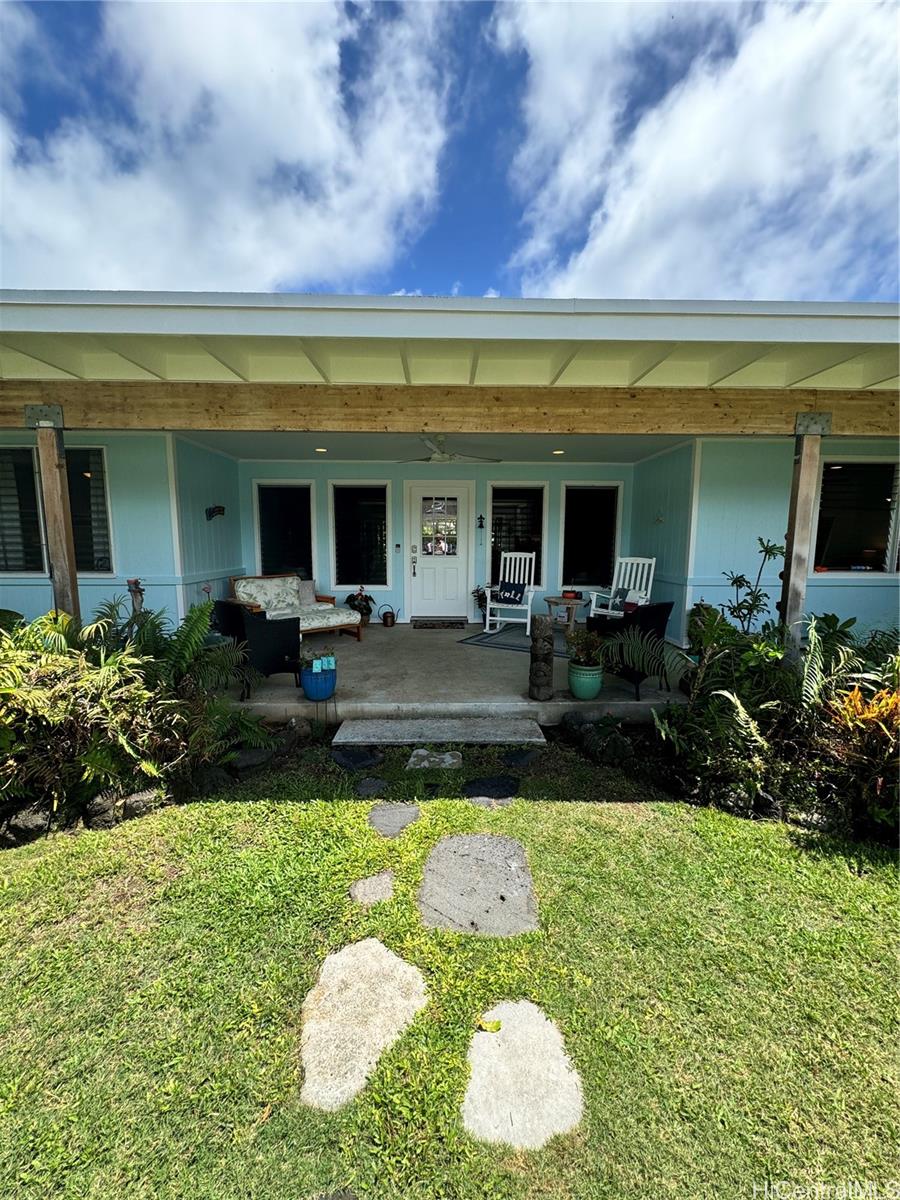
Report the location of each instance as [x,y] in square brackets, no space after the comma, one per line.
[108,704]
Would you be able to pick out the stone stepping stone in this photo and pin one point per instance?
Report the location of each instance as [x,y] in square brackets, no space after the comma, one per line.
[392,819]
[523,1089]
[429,760]
[364,999]
[521,758]
[357,758]
[492,790]
[373,889]
[478,883]
[370,787]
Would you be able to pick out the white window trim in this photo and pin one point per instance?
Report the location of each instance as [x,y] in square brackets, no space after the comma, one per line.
[389,538]
[893,530]
[535,484]
[619,486]
[255,485]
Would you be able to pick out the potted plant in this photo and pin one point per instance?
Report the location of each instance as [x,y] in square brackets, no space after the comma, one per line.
[479,595]
[317,684]
[360,601]
[585,664]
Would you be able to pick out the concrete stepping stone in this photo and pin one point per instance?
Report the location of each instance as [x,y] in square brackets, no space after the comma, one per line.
[434,731]
[364,999]
[478,883]
[373,889]
[371,786]
[357,758]
[431,760]
[492,790]
[391,819]
[523,1089]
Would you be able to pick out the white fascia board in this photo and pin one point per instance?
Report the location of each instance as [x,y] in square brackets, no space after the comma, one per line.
[175,314]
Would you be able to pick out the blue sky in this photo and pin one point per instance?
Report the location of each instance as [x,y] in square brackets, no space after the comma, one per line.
[685,150]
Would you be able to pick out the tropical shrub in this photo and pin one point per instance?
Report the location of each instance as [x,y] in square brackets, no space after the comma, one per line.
[113,704]
[766,732]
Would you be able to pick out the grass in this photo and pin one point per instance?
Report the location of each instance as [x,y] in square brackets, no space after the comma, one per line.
[726,992]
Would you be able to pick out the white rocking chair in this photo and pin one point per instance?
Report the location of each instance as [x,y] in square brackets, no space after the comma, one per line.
[514,568]
[633,574]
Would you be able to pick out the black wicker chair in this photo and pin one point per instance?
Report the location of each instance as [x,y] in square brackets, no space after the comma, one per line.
[272,646]
[648,618]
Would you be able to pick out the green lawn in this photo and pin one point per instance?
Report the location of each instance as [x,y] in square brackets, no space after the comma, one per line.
[724,988]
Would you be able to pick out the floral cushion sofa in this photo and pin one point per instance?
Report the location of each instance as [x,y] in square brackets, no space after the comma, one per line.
[284,597]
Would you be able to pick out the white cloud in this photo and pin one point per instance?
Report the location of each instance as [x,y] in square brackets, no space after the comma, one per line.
[238,159]
[769,170]
[491,294]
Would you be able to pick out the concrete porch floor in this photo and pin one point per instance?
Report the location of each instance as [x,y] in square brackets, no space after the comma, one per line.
[405,672]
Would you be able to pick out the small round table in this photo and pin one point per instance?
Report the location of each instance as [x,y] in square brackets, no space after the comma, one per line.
[570,605]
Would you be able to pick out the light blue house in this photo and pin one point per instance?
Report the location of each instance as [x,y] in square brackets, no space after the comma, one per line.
[209,436]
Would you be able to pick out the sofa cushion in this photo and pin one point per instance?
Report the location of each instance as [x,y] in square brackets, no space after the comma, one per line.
[326,616]
[276,593]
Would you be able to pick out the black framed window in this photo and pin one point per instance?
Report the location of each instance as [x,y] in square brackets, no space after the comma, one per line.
[87,499]
[20,519]
[360,535]
[589,539]
[517,524]
[857,526]
[285,529]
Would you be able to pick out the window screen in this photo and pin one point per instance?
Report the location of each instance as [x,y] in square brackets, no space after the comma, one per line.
[360,535]
[285,530]
[90,520]
[589,543]
[20,522]
[517,524]
[857,524]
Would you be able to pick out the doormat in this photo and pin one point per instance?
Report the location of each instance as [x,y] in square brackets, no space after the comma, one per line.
[513,637]
[438,622]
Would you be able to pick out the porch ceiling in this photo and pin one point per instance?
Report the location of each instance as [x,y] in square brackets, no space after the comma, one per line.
[452,341]
[401,447]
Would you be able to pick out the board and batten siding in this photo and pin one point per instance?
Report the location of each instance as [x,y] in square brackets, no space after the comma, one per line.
[210,549]
[743,493]
[661,527]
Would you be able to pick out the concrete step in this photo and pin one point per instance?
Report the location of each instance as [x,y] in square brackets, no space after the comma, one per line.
[421,731]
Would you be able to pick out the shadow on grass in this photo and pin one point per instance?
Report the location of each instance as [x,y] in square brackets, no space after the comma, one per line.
[861,858]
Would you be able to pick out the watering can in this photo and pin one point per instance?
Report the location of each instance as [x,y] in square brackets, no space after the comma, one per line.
[388,616]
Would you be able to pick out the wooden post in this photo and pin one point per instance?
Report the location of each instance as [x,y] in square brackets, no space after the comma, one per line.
[58,519]
[801,514]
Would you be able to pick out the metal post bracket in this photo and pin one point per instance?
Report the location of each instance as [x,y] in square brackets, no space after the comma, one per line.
[43,415]
[813,422]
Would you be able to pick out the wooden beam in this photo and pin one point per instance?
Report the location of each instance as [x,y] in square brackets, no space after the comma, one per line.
[800,532]
[58,520]
[167,404]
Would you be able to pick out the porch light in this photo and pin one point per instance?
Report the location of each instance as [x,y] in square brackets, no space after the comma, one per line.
[321,450]
[559,451]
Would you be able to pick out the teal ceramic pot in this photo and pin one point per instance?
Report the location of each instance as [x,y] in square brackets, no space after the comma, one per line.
[585,682]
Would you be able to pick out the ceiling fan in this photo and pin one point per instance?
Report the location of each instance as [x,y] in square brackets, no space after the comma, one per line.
[440,455]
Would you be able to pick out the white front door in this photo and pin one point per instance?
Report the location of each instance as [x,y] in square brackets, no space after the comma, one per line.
[438,550]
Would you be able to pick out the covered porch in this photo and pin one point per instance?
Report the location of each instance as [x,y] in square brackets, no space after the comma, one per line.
[406,672]
[188,439]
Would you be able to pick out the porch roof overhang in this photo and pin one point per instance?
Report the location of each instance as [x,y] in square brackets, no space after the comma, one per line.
[418,364]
